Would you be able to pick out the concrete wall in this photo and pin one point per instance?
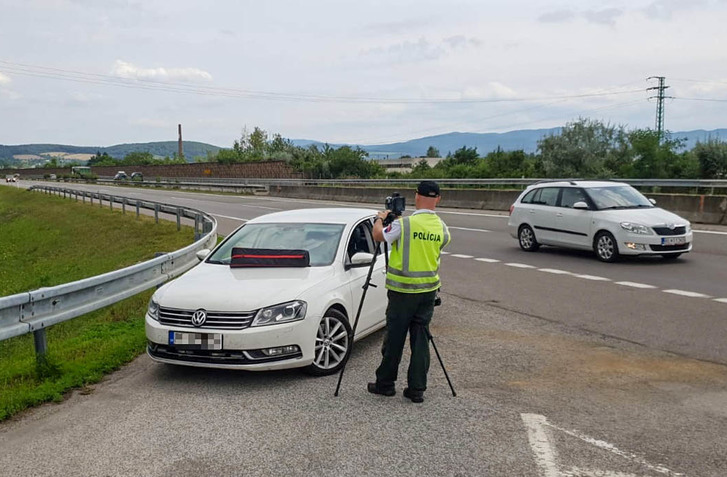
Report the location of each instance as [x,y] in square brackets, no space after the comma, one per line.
[707,209]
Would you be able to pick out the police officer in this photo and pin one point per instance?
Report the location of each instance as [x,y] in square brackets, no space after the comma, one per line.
[412,280]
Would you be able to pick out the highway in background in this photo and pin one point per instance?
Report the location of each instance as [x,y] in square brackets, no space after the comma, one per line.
[564,366]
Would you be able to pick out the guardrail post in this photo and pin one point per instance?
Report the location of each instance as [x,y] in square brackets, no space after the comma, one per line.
[196,227]
[83,195]
[137,208]
[41,344]
[100,200]
[111,202]
[123,206]
[179,219]
[156,213]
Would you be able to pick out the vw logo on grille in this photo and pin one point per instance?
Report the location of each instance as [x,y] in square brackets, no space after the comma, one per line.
[199,317]
[671,226]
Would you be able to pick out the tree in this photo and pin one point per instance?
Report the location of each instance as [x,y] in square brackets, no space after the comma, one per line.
[712,158]
[432,152]
[654,155]
[585,148]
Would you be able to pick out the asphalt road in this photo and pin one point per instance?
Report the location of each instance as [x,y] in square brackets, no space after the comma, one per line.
[563,366]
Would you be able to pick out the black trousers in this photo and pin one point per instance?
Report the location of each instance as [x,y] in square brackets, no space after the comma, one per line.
[406,313]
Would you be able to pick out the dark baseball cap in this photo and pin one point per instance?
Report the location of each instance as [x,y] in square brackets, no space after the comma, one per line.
[428,189]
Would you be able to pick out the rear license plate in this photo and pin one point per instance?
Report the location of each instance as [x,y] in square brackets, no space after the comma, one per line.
[203,341]
[673,240]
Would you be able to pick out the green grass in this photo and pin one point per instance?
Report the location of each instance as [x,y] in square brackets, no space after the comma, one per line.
[46,241]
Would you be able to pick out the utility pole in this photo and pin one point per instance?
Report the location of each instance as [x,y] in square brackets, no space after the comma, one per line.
[659,103]
[181,149]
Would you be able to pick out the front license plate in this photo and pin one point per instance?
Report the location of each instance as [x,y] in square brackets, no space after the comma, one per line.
[183,340]
[673,240]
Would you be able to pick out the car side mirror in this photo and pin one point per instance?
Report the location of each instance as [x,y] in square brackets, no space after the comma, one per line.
[580,205]
[202,254]
[361,259]
[653,202]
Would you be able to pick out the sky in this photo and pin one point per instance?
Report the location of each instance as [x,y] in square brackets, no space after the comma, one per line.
[104,72]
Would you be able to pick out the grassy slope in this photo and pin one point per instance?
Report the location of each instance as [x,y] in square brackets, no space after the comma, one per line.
[46,241]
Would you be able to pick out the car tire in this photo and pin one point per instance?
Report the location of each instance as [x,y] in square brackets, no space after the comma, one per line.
[526,238]
[332,344]
[605,247]
[670,256]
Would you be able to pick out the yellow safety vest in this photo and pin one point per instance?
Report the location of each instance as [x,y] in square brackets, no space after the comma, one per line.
[414,259]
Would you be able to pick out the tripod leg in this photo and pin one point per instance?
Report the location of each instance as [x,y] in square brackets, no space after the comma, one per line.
[431,340]
[366,286]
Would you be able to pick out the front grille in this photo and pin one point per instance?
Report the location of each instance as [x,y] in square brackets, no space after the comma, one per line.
[219,320]
[224,356]
[669,248]
[667,231]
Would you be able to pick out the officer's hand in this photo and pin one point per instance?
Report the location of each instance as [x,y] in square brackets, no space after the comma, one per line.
[383,214]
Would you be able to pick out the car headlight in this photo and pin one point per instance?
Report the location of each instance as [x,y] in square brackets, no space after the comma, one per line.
[153,309]
[689,227]
[636,228]
[283,313]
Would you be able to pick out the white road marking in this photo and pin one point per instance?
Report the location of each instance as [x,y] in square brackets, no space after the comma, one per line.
[593,277]
[229,217]
[519,265]
[470,230]
[721,300]
[554,271]
[708,232]
[459,255]
[687,293]
[542,443]
[440,211]
[444,253]
[487,260]
[635,285]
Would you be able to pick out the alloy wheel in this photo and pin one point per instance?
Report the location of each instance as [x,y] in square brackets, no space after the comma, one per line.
[332,343]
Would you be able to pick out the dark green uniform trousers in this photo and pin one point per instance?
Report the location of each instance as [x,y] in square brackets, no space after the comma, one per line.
[406,312]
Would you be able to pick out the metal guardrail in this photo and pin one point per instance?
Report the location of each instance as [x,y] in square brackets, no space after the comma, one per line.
[263,183]
[38,309]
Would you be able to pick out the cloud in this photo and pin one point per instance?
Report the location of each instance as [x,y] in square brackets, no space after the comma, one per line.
[126,70]
[4,79]
[558,16]
[664,9]
[606,16]
[421,50]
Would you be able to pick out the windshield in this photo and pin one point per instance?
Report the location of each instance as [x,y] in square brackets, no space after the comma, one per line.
[321,241]
[617,197]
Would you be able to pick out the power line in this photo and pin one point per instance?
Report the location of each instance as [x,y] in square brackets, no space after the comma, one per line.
[187,88]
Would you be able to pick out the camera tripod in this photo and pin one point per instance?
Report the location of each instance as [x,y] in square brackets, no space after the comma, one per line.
[366,286]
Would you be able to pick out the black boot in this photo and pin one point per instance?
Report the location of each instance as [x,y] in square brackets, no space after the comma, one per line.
[374,388]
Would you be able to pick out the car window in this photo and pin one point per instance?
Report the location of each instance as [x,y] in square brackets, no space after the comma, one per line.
[360,240]
[571,195]
[548,196]
[528,199]
[320,240]
[618,197]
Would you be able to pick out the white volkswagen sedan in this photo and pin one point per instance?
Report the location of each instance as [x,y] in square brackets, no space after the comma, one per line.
[282,291]
[610,218]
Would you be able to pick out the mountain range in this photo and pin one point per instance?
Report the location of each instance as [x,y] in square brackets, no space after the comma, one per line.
[526,139]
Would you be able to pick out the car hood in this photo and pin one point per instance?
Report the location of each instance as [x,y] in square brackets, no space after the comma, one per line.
[650,217]
[221,288]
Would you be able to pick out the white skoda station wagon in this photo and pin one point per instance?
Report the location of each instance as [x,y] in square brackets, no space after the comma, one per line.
[282,291]
[610,218]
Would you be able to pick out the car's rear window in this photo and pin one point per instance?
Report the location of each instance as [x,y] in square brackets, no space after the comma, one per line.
[320,240]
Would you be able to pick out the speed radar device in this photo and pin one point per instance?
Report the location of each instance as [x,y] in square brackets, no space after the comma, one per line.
[396,204]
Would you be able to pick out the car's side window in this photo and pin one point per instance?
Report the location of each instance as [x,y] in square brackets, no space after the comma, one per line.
[571,195]
[528,199]
[548,196]
[360,240]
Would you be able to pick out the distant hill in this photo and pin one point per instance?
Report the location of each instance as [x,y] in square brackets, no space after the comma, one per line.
[526,139]
[192,149]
